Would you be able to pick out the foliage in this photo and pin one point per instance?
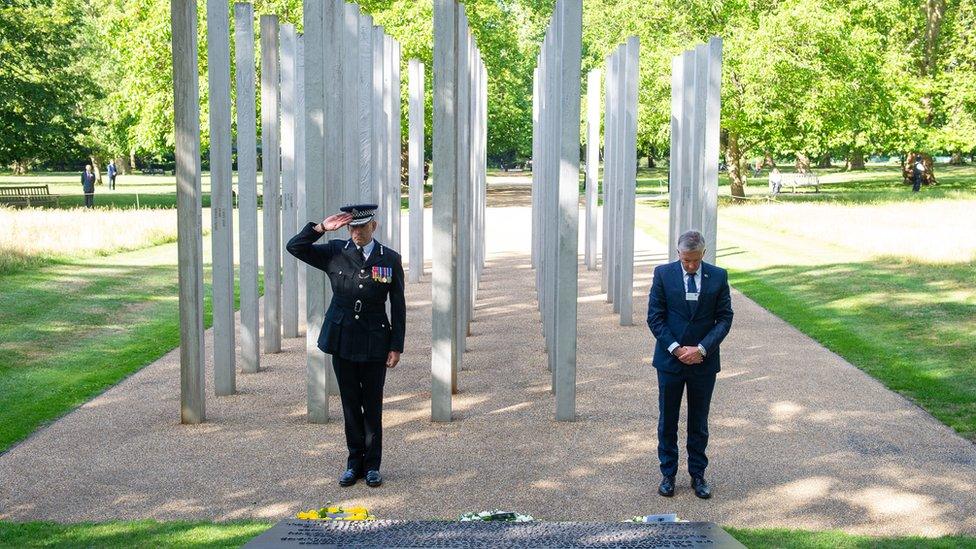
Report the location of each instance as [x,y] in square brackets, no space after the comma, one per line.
[44,84]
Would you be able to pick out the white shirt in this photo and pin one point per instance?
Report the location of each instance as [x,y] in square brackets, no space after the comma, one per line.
[684,283]
[368,248]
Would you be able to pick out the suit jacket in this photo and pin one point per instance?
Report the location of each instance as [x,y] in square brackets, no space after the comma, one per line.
[88,182]
[356,327]
[673,319]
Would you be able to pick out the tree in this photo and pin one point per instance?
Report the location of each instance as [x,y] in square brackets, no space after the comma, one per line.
[43,82]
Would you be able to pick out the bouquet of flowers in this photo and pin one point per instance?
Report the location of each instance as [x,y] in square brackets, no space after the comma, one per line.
[495,516]
[334,512]
[647,519]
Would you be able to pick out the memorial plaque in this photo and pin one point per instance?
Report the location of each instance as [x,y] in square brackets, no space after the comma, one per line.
[404,534]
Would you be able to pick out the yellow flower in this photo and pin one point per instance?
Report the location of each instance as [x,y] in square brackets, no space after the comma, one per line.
[357,510]
[333,509]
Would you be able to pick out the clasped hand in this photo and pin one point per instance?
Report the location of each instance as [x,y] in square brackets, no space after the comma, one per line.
[689,355]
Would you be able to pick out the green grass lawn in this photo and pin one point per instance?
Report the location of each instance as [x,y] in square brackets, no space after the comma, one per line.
[148,533]
[71,329]
[125,534]
[890,287]
[131,191]
[878,183]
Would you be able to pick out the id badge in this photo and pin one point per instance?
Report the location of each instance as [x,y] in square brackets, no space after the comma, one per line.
[691,296]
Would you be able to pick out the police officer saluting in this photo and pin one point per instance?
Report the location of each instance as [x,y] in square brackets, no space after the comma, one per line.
[362,341]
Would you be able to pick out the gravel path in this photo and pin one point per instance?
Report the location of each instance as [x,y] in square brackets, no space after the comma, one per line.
[800,438]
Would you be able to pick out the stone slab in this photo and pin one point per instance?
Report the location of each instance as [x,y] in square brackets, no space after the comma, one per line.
[494,535]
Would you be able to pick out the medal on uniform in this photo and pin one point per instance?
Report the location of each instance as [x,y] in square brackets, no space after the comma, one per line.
[383,274]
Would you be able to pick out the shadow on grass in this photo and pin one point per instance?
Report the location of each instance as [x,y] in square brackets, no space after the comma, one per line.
[908,325]
[70,331]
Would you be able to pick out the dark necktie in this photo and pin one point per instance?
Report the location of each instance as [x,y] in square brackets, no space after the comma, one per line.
[362,253]
[692,287]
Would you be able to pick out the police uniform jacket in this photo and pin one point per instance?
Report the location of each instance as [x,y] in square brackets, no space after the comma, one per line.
[356,327]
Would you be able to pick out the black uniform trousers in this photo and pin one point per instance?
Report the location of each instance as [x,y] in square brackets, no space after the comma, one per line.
[671,387]
[361,391]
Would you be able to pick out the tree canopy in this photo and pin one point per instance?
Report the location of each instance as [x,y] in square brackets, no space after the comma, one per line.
[803,79]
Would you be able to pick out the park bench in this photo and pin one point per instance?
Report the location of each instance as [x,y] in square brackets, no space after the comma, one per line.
[28,195]
[795,180]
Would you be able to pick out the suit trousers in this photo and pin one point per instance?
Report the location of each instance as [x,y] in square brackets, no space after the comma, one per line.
[89,200]
[361,391]
[671,387]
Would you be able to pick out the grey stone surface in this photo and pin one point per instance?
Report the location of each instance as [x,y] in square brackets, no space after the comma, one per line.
[696,112]
[334,138]
[221,197]
[630,80]
[271,181]
[349,97]
[416,169]
[593,96]
[301,205]
[459,124]
[289,177]
[186,104]
[557,186]
[319,25]
[247,185]
[367,109]
[502,535]
[445,314]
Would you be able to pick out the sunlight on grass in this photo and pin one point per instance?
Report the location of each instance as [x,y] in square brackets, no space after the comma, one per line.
[140,533]
[928,232]
[30,235]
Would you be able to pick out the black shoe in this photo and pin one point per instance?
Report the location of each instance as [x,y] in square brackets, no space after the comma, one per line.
[373,478]
[701,487]
[666,488]
[349,478]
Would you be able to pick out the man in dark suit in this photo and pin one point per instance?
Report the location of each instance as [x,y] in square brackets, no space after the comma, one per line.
[88,185]
[356,332]
[113,172]
[689,311]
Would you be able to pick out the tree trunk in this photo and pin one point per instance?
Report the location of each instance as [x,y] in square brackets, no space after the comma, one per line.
[825,161]
[734,165]
[769,161]
[132,159]
[650,161]
[97,169]
[956,159]
[802,163]
[122,163]
[855,160]
[934,14]
[20,167]
[928,173]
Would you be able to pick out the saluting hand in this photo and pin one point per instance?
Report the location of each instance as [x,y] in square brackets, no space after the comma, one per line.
[392,359]
[334,222]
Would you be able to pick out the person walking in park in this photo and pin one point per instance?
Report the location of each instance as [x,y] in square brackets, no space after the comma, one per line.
[88,185]
[689,311]
[918,173]
[775,181]
[363,342]
[112,173]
